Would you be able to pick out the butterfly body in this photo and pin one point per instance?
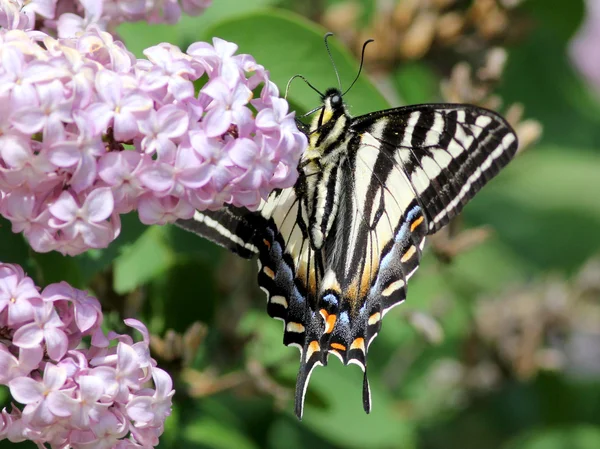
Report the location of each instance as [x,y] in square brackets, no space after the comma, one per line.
[336,250]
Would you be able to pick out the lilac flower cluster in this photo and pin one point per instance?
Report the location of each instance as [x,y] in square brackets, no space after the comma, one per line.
[65,18]
[88,133]
[108,395]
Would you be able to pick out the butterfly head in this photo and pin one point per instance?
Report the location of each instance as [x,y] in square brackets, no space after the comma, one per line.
[333,99]
[332,112]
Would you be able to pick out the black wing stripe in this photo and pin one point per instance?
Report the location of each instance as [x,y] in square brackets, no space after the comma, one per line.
[230,227]
[487,161]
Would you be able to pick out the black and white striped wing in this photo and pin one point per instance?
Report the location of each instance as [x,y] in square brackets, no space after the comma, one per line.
[448,152]
[290,270]
[410,170]
[232,227]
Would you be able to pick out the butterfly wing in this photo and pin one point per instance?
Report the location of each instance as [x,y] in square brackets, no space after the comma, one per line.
[405,174]
[290,269]
[231,227]
[408,171]
[447,151]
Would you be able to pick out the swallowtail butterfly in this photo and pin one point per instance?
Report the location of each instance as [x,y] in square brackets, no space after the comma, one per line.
[335,251]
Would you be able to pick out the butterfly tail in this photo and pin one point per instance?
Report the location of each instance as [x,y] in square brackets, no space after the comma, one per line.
[312,355]
[307,365]
[366,393]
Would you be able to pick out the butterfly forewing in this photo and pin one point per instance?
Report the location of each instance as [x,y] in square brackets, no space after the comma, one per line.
[447,151]
[336,250]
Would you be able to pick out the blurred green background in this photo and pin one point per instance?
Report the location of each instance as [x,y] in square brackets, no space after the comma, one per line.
[498,345]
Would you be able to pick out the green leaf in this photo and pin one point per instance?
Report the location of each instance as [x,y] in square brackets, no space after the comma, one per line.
[540,75]
[416,83]
[340,388]
[295,435]
[287,44]
[14,248]
[563,18]
[145,259]
[187,243]
[574,437]
[183,294]
[141,35]
[539,207]
[54,267]
[96,260]
[210,433]
[266,346]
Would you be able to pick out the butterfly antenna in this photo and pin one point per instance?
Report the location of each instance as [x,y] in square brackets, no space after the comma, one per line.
[310,112]
[337,74]
[287,88]
[362,60]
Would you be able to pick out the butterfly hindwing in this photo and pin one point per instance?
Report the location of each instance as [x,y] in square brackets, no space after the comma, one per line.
[290,271]
[376,246]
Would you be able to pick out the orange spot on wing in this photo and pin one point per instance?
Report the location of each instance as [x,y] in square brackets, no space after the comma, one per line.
[330,319]
[338,346]
[267,243]
[313,347]
[358,343]
[416,223]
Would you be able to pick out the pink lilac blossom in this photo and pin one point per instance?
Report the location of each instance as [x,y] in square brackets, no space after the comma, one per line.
[87,133]
[66,18]
[69,394]
[585,44]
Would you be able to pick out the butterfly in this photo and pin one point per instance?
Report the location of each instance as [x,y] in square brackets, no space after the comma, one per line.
[336,250]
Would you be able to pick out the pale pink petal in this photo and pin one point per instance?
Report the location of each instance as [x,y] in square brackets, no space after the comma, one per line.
[125,126]
[127,358]
[140,409]
[62,404]
[173,123]
[54,376]
[64,154]
[102,114]
[15,151]
[20,311]
[97,235]
[217,121]
[26,390]
[29,120]
[56,343]
[91,388]
[162,382]
[181,88]
[64,208]
[99,205]
[108,85]
[28,336]
[158,177]
[137,102]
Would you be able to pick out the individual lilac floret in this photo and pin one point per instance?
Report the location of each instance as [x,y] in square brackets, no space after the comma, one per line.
[101,392]
[87,133]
